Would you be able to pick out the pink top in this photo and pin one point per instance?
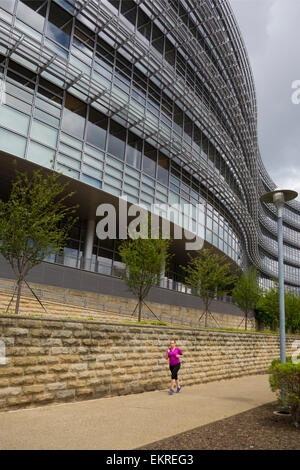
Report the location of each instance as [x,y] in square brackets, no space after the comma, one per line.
[173,360]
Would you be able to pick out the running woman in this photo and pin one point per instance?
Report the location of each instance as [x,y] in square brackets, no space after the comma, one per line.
[173,354]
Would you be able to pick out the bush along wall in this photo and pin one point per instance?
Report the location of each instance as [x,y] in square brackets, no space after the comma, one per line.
[287,375]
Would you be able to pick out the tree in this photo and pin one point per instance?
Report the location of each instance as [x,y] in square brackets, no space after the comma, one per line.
[292,311]
[247,292]
[144,259]
[34,222]
[267,311]
[210,276]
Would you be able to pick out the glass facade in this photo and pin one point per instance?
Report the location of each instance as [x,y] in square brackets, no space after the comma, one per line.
[145,105]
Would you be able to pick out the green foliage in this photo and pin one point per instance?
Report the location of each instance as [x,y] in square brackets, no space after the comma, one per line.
[267,311]
[209,275]
[34,221]
[288,376]
[144,259]
[292,311]
[247,292]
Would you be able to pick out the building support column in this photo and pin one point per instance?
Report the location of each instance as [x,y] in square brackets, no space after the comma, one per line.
[88,244]
[162,280]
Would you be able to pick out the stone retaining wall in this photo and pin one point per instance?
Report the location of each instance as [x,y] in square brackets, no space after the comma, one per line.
[52,361]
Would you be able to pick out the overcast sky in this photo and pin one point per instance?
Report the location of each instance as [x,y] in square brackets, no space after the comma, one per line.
[271,32]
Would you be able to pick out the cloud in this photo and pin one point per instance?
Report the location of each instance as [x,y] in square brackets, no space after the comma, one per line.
[270,29]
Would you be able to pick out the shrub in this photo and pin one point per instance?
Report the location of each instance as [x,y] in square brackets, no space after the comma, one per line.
[289,375]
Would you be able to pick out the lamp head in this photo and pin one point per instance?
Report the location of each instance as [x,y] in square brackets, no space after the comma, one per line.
[279,197]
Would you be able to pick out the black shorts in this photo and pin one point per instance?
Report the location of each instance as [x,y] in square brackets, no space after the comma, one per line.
[174,371]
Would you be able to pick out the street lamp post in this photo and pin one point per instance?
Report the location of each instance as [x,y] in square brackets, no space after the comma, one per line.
[278,198]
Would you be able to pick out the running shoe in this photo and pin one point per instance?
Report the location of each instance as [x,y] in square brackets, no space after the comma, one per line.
[178,389]
[171,391]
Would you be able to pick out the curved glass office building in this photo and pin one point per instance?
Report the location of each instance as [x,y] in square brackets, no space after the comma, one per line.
[149,99]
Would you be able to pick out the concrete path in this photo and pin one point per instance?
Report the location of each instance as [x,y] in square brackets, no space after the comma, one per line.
[128,422]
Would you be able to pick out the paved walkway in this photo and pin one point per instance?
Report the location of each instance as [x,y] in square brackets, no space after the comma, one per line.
[128,422]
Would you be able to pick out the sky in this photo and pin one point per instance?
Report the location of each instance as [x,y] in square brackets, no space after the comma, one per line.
[271,32]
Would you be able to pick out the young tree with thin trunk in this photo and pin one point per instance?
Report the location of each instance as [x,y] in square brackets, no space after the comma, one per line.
[144,259]
[210,276]
[34,222]
[247,292]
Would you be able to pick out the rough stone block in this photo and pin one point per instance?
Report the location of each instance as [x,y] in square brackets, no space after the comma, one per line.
[59,368]
[33,389]
[62,334]
[57,351]
[10,391]
[40,333]
[45,378]
[17,332]
[50,342]
[25,361]
[78,367]
[44,397]
[84,391]
[47,360]
[104,357]
[35,370]
[19,402]
[64,394]
[55,386]
[82,334]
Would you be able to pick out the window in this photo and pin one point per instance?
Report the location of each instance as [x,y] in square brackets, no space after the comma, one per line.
[44,133]
[66,4]
[20,74]
[163,169]
[178,119]
[205,145]
[14,119]
[83,38]
[18,104]
[134,150]
[59,25]
[115,3]
[12,143]
[197,138]
[74,116]
[50,91]
[96,128]
[211,155]
[37,19]
[129,10]
[167,107]
[170,52]
[159,45]
[218,159]
[149,160]
[42,155]
[116,141]
[188,129]
[156,33]
[144,24]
